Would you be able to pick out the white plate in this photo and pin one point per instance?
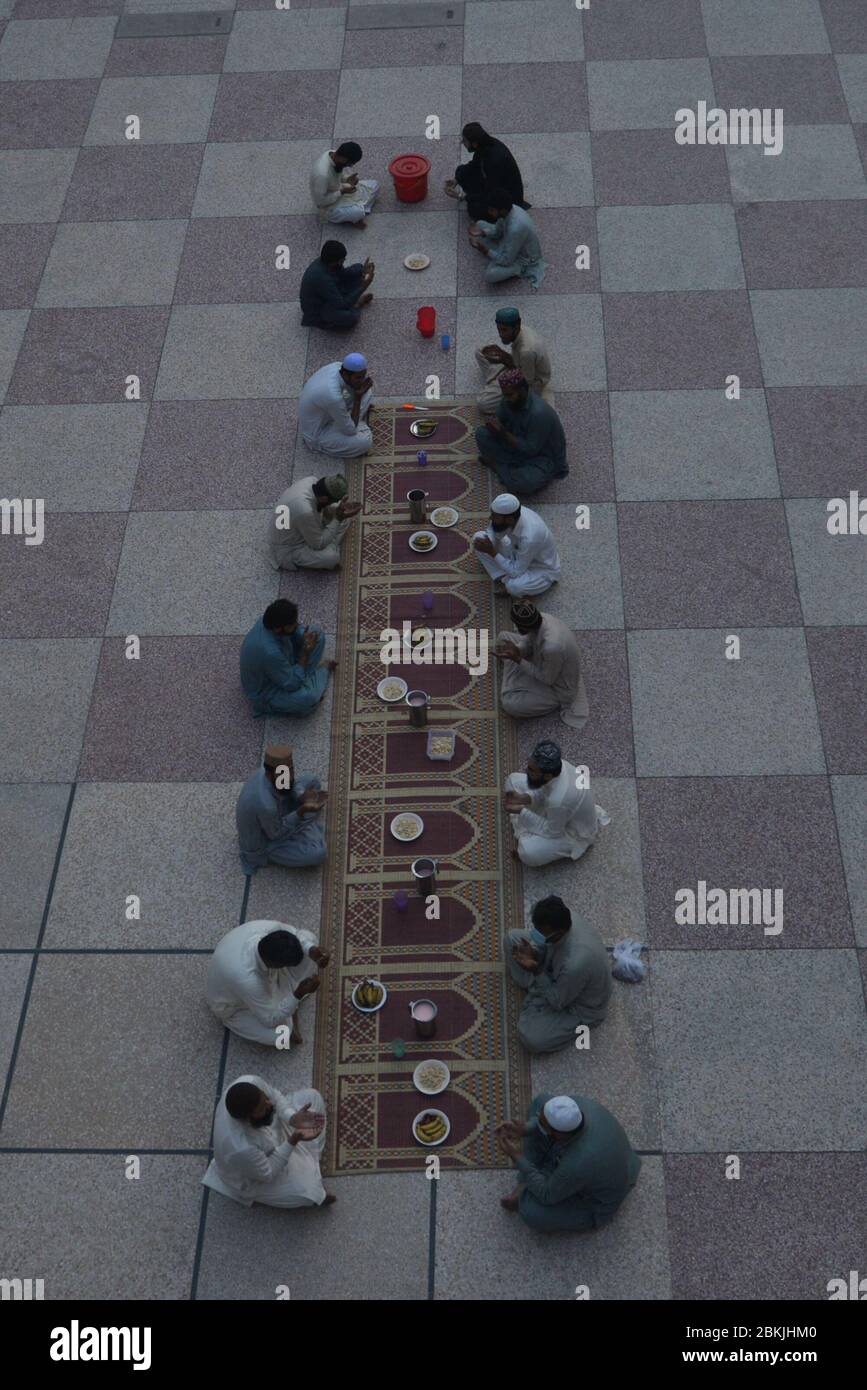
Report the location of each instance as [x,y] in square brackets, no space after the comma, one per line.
[424,261]
[376,1008]
[391,699]
[431,1062]
[409,839]
[431,1143]
[454,516]
[415,536]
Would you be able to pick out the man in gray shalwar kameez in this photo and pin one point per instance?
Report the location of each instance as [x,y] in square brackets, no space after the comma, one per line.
[509,241]
[541,664]
[277,815]
[562,964]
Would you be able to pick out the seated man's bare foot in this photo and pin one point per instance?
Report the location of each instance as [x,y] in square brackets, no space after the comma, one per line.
[510,1202]
[365,299]
[331,664]
[362,224]
[474,229]
[330,1199]
[515,854]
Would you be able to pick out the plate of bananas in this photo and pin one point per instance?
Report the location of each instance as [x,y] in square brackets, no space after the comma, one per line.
[431,1127]
[369,996]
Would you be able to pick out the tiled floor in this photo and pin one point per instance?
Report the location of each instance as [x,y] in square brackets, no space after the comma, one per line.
[155,259]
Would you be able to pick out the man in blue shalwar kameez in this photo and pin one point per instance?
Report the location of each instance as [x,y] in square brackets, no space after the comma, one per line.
[278,816]
[282,671]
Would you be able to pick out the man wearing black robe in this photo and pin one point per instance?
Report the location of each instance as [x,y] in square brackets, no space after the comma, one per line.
[333,294]
[492,166]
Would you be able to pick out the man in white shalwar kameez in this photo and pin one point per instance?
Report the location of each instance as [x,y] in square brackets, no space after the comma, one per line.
[552,817]
[334,406]
[541,664]
[258,976]
[268,1147]
[338,195]
[517,548]
[310,520]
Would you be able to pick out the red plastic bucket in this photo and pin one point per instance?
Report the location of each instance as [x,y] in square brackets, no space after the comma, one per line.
[426,321]
[409,172]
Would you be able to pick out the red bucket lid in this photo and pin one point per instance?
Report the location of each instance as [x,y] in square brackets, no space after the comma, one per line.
[409,166]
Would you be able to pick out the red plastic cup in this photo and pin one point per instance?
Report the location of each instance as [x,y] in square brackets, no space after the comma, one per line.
[426,321]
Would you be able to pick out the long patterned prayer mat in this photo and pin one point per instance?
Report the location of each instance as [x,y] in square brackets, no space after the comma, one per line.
[379,766]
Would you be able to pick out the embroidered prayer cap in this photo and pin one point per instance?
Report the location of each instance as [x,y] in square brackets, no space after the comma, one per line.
[506,504]
[336,486]
[512,376]
[525,613]
[507,316]
[562,1114]
[354,362]
[547,756]
[278,755]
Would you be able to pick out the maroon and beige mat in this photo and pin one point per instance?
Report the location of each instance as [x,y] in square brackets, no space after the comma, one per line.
[379,767]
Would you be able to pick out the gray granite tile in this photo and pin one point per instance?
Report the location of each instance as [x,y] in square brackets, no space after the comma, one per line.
[669,248]
[695,714]
[247,445]
[79,458]
[275,106]
[137,181]
[757,1049]
[588,592]
[233,259]
[830,568]
[95,264]
[33,184]
[691,444]
[816,162]
[853,74]
[45,689]
[166,57]
[498,32]
[844,21]
[392,101]
[388,48]
[786,1227]
[284,40]
[838,663]
[806,86]
[30,109]
[114,1026]
[817,437]
[261,352]
[125,839]
[172,110]
[850,806]
[31,819]
[485,1253]
[811,337]
[61,47]
[644,94]
[526,97]
[13,323]
[389,237]
[400,359]
[861,141]
[24,248]
[14,974]
[745,26]
[256,179]
[803,245]
[77,355]
[743,832]
[94,1234]
[701,564]
[323,1253]
[542,165]
[571,325]
[60,9]
[173,715]
[646,167]
[674,340]
[62,587]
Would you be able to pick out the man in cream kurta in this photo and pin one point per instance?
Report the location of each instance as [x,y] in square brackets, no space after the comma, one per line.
[254,988]
[338,195]
[517,548]
[522,347]
[541,667]
[552,817]
[310,520]
[268,1147]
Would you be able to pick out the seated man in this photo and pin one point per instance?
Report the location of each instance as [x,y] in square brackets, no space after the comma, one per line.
[268,1147]
[552,818]
[332,295]
[575,1164]
[258,976]
[562,964]
[522,348]
[541,667]
[517,549]
[310,520]
[338,196]
[282,671]
[334,406]
[509,240]
[524,442]
[492,166]
[277,816]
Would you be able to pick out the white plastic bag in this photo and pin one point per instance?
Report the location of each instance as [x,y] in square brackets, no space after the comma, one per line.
[628,964]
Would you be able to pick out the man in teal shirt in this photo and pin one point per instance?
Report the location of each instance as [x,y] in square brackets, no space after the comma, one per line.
[575,1164]
[524,442]
[282,671]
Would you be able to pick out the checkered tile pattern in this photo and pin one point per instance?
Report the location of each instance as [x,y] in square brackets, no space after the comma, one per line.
[155,258]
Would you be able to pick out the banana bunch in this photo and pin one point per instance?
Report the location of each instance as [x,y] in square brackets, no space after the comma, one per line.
[369,994]
[431,1128]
